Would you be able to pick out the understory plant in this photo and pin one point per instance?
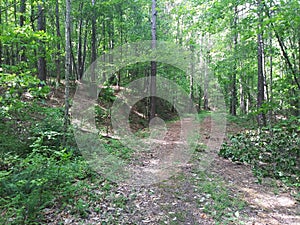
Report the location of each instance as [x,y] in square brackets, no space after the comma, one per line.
[272,152]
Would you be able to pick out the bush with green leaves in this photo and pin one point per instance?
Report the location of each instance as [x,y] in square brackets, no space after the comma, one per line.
[35,182]
[18,99]
[36,167]
[273,152]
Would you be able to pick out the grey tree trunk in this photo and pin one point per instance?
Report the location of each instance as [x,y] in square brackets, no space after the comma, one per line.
[153,63]
[79,46]
[67,63]
[261,118]
[22,21]
[94,50]
[42,72]
[58,55]
[191,94]
[233,97]
[1,48]
[84,48]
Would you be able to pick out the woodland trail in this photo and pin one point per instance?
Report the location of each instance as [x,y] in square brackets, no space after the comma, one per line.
[185,197]
[179,200]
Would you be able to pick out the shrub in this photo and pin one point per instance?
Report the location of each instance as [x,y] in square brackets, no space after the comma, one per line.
[273,152]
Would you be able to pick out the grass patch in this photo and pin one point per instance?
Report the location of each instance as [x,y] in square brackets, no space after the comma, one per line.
[217,200]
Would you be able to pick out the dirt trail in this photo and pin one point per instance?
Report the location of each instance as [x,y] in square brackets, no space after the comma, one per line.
[175,200]
[178,199]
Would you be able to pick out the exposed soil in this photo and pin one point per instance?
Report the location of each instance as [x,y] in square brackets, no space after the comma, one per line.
[178,196]
[176,200]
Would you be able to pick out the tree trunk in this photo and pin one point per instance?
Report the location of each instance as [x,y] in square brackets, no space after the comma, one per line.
[58,54]
[1,48]
[84,49]
[22,21]
[79,46]
[22,12]
[94,50]
[206,80]
[205,93]
[260,79]
[67,64]
[191,95]
[104,46]
[233,98]
[42,72]
[242,97]
[153,63]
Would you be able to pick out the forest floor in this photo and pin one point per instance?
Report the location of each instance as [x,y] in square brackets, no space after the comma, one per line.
[223,193]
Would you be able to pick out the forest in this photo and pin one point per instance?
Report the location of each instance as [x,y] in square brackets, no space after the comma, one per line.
[150,112]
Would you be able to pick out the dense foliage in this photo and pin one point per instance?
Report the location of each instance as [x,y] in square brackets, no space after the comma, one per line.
[272,152]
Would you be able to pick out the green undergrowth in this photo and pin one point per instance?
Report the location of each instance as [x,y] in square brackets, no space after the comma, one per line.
[41,167]
[245,121]
[210,195]
[217,200]
[116,148]
[272,151]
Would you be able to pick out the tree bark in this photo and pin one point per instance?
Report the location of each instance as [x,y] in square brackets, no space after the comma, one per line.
[79,46]
[153,63]
[233,98]
[42,72]
[191,95]
[1,48]
[84,49]
[58,54]
[22,12]
[94,50]
[67,64]
[260,79]
[22,21]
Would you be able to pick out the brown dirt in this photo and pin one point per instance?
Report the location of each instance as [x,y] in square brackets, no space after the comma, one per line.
[174,201]
[266,204]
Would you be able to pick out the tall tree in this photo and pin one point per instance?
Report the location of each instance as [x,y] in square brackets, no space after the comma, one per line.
[94,47]
[22,12]
[233,97]
[260,71]
[22,21]
[153,63]
[1,48]
[79,45]
[58,54]
[67,61]
[42,72]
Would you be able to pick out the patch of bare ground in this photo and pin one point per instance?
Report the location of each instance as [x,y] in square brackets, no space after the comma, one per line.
[176,201]
[268,203]
[180,200]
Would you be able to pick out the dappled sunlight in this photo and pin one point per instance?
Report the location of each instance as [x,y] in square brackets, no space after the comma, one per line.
[270,208]
[268,201]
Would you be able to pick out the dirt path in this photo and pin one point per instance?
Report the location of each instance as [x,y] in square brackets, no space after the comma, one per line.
[175,201]
[181,199]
